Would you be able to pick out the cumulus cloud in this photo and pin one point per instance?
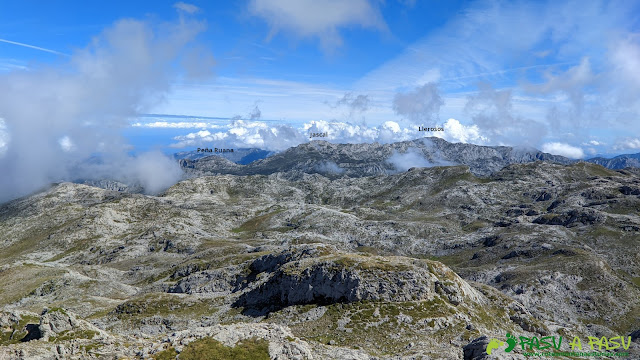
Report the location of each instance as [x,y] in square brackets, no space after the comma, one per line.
[628,144]
[593,143]
[454,131]
[557,148]
[346,132]
[420,104]
[277,137]
[245,134]
[315,19]
[392,126]
[57,117]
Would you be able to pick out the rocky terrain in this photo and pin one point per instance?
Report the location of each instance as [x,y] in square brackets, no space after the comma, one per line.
[428,263]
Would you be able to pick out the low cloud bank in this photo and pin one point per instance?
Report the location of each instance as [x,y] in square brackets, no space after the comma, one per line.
[278,137]
[55,118]
[562,149]
[405,161]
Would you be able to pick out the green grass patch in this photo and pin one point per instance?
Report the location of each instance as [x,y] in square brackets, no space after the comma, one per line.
[168,354]
[257,223]
[474,226]
[623,208]
[20,281]
[366,263]
[598,170]
[368,250]
[15,332]
[369,323]
[33,240]
[603,231]
[210,348]
[452,176]
[69,335]
[164,305]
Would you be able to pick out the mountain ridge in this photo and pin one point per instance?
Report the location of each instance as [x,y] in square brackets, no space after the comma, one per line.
[374,159]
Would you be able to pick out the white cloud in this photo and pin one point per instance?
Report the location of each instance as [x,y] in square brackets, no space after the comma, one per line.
[244,133]
[321,19]
[392,125]
[626,59]
[4,138]
[454,131]
[593,143]
[175,125]
[187,8]
[125,70]
[624,75]
[557,148]
[627,144]
[412,158]
[155,171]
[277,137]
[66,144]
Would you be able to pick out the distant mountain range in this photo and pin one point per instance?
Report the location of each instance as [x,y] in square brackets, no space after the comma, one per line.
[618,162]
[238,156]
[356,160]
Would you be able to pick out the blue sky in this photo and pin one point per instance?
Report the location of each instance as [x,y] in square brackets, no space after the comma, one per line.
[563,77]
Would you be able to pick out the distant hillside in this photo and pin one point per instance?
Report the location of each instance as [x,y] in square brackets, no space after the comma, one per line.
[618,162]
[238,156]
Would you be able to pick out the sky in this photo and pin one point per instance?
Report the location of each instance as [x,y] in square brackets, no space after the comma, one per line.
[152,77]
